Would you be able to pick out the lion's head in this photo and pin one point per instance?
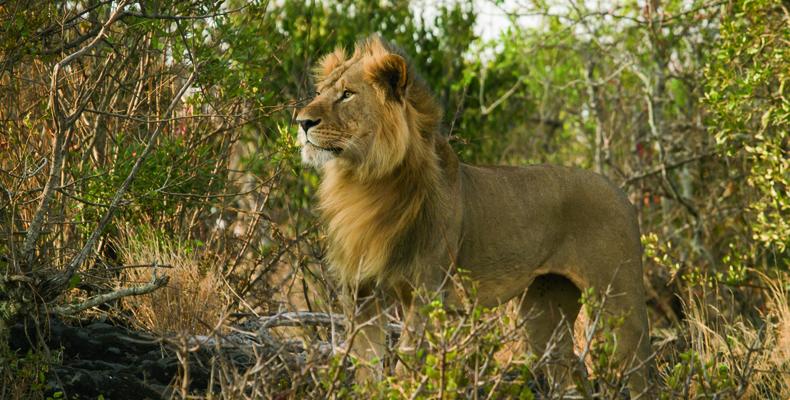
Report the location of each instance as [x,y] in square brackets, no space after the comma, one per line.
[368,110]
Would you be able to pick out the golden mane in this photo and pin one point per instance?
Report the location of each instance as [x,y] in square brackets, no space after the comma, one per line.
[378,214]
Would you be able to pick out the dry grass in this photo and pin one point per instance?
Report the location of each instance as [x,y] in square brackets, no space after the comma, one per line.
[779,311]
[196,298]
[729,355]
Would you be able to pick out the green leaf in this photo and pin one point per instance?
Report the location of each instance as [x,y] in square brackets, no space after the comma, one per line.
[74,281]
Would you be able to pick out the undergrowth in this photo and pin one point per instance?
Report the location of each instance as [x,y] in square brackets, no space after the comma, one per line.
[480,353]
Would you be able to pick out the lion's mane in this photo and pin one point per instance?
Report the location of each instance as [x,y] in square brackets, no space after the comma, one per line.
[380,213]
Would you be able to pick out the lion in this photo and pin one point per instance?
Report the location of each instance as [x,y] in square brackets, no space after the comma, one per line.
[400,210]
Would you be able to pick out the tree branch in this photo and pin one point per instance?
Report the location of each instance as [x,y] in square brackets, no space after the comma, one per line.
[662,168]
[302,318]
[156,283]
[485,110]
[146,15]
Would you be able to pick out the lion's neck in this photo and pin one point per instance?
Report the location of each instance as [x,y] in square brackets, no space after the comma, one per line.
[378,228]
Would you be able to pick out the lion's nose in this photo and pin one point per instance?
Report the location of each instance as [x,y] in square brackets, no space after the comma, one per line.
[308,123]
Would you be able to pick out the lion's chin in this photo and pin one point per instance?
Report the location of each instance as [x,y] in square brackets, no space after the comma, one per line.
[315,156]
[312,155]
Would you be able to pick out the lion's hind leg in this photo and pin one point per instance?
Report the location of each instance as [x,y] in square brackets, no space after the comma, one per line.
[549,310]
[633,350]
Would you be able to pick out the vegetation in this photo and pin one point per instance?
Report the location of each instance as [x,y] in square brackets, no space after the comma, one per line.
[149,177]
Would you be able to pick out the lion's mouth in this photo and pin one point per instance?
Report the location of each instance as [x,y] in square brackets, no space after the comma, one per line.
[335,150]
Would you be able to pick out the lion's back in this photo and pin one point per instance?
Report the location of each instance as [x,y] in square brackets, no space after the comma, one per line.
[542,203]
[545,184]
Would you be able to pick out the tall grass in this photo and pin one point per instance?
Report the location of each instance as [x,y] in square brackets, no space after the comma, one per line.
[720,353]
[196,299]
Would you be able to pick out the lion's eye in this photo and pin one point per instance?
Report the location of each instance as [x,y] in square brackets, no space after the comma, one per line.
[317,93]
[346,95]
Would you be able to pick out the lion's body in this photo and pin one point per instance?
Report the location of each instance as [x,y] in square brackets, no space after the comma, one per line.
[519,223]
[401,210]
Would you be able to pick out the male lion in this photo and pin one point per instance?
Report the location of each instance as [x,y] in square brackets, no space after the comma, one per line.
[400,209]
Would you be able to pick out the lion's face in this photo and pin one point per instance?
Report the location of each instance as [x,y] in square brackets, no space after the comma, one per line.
[357,116]
[339,121]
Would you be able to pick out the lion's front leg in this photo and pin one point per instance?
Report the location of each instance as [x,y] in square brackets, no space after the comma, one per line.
[415,303]
[369,335]
[411,338]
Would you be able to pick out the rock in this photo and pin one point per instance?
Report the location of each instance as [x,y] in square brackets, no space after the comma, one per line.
[99,359]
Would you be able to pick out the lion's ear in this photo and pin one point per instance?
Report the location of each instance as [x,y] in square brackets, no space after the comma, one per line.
[391,73]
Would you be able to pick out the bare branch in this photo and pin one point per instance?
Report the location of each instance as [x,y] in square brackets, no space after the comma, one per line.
[662,168]
[37,223]
[156,283]
[485,110]
[307,318]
